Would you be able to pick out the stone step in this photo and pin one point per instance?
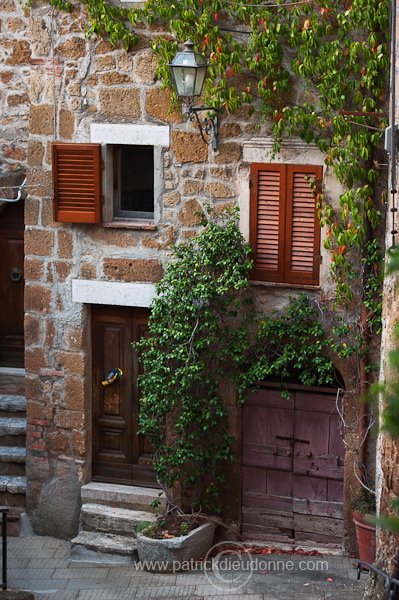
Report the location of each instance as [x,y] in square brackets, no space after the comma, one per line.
[10,403]
[12,426]
[12,454]
[123,496]
[107,548]
[13,485]
[110,519]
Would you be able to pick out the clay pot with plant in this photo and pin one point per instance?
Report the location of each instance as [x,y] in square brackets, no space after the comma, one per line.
[363,507]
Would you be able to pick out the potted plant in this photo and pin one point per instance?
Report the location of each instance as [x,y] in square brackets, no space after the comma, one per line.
[174,542]
[363,514]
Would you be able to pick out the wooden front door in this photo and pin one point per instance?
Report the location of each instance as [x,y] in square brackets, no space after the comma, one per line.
[119,454]
[293,467]
[12,285]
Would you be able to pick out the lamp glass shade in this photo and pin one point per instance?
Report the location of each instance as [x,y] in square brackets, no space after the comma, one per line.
[188,71]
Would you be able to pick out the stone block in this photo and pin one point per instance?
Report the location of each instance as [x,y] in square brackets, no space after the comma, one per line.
[63,270]
[66,124]
[124,62]
[15,153]
[50,334]
[171,199]
[73,48]
[56,512]
[35,359]
[228,152]
[41,119]
[115,78]
[189,147]
[31,330]
[21,52]
[104,47]
[65,244]
[74,393]
[104,63]
[73,337]
[15,24]
[39,242]
[187,215]
[58,442]
[73,362]
[219,190]
[111,237]
[7,6]
[123,269]
[157,104]
[191,186]
[145,68]
[17,99]
[229,130]
[79,444]
[222,173]
[35,153]
[32,389]
[33,269]
[121,102]
[37,299]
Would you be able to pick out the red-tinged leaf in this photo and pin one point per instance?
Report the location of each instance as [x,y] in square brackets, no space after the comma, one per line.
[230,72]
[306,24]
[216,16]
[329,579]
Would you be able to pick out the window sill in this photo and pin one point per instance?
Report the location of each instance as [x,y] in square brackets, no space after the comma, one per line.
[275,284]
[147,225]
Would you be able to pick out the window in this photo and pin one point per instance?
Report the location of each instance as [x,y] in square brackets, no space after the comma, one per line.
[133,182]
[284,227]
[124,190]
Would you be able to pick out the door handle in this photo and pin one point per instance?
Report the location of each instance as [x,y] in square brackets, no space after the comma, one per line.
[15,275]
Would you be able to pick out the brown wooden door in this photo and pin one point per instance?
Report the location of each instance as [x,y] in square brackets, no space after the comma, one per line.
[119,454]
[12,285]
[293,463]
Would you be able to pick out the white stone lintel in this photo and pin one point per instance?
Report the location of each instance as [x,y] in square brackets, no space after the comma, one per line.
[113,293]
[129,134]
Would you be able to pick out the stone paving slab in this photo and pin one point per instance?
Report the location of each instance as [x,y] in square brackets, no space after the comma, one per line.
[42,565]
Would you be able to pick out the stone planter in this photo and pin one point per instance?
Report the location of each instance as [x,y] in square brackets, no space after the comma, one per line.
[174,554]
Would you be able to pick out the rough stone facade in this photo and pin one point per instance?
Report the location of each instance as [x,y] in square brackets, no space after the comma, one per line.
[14,101]
[73,84]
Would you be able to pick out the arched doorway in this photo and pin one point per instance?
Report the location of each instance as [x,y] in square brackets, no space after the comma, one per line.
[12,285]
[293,466]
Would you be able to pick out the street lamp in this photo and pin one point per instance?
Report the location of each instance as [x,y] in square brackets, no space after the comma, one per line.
[188,70]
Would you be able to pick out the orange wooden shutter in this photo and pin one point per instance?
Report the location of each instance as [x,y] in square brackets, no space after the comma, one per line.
[267,218]
[302,226]
[77,182]
[284,228]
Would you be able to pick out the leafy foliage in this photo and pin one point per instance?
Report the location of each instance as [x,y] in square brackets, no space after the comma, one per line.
[199,337]
[334,53]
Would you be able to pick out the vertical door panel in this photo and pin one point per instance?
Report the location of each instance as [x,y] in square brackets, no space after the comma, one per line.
[12,285]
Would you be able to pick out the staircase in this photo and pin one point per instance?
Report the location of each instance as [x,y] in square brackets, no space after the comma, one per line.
[108,517]
[13,457]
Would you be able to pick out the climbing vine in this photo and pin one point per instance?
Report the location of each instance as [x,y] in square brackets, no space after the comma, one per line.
[332,53]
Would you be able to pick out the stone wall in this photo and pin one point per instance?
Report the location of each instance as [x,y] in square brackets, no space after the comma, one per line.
[14,78]
[77,84]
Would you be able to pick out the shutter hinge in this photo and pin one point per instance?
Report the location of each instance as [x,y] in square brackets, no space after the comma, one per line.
[251,181]
[319,256]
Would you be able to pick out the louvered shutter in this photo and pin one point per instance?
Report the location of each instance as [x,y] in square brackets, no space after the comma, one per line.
[267,219]
[302,232]
[77,182]
[284,230]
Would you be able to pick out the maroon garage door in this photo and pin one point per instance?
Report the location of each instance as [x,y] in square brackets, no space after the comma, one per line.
[293,458]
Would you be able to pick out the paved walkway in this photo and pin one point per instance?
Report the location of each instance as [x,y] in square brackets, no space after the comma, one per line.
[42,565]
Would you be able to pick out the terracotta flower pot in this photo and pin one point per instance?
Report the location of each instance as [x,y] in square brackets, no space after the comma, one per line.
[365,536]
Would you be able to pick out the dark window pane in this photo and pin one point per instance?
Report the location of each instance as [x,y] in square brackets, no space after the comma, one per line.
[137,178]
